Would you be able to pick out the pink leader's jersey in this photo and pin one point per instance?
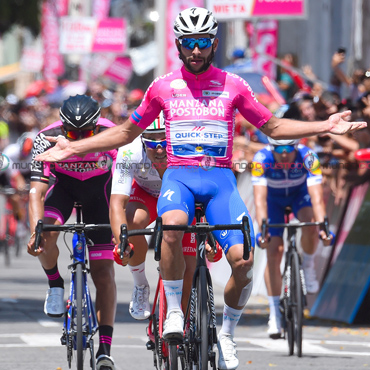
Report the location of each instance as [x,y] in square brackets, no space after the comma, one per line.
[199,112]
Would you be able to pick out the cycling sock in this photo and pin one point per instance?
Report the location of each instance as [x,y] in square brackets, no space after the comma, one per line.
[230,320]
[308,259]
[173,291]
[54,279]
[138,273]
[105,340]
[274,302]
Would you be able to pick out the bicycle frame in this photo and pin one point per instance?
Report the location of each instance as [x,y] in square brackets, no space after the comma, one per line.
[293,281]
[80,321]
[197,346]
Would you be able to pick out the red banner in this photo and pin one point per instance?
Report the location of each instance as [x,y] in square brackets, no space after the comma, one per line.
[53,61]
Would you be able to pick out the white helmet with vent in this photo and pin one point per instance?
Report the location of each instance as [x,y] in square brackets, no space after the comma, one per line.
[282,142]
[193,21]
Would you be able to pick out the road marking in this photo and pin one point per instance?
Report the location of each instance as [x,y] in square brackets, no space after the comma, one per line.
[309,346]
[49,323]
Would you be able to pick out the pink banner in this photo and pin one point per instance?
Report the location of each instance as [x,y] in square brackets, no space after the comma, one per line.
[264,41]
[278,7]
[101,9]
[247,9]
[120,70]
[174,7]
[110,36]
[53,61]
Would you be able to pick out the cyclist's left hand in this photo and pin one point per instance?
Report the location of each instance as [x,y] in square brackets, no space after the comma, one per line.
[340,125]
[126,255]
[31,246]
[327,241]
[211,255]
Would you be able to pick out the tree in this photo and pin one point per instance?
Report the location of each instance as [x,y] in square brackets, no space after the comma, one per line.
[25,13]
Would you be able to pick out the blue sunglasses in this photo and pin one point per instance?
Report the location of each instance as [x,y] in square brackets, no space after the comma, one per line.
[189,43]
[280,149]
[154,144]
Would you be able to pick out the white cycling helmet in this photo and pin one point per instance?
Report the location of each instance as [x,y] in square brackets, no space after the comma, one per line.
[156,126]
[282,142]
[193,21]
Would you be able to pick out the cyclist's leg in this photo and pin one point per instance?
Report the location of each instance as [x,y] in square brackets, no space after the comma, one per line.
[176,207]
[57,209]
[141,212]
[189,245]
[309,239]
[95,209]
[275,250]
[226,197]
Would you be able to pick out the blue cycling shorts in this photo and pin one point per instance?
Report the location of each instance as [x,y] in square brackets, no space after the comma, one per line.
[216,189]
[276,207]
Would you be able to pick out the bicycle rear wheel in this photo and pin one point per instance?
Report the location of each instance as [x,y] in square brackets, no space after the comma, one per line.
[201,330]
[79,344]
[297,303]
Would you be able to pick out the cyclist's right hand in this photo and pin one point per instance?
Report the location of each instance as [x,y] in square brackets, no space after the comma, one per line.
[265,243]
[31,246]
[127,254]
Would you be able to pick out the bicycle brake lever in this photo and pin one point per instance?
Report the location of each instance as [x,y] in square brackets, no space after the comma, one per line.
[247,242]
[326,226]
[158,234]
[38,230]
[123,240]
[212,242]
[263,230]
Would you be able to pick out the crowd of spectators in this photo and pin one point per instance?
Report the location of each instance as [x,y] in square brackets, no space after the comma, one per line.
[305,100]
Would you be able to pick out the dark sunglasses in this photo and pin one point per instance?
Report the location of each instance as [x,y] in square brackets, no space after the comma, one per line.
[189,43]
[83,134]
[155,144]
[280,149]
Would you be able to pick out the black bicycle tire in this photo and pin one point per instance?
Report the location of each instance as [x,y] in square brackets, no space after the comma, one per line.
[173,363]
[297,297]
[288,315]
[79,286]
[202,318]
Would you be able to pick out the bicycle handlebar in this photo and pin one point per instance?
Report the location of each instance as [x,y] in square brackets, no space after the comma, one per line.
[77,227]
[157,232]
[324,225]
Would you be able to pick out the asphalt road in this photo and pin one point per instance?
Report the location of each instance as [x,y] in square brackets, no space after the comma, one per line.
[30,340]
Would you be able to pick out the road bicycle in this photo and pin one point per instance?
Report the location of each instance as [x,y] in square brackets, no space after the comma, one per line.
[195,350]
[293,295]
[12,231]
[80,321]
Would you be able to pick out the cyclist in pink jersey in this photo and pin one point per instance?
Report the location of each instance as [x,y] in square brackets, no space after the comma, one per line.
[199,104]
[86,179]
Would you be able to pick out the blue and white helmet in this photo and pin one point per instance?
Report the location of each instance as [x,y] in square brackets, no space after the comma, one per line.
[193,21]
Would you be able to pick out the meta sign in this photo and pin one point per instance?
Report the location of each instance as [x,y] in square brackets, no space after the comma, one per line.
[247,9]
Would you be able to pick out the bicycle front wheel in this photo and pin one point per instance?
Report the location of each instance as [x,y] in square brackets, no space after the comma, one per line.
[297,303]
[79,336]
[201,331]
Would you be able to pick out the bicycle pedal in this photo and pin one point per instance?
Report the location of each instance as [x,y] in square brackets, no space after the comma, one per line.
[63,340]
[150,346]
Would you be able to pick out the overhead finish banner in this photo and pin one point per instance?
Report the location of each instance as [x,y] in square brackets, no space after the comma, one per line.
[248,9]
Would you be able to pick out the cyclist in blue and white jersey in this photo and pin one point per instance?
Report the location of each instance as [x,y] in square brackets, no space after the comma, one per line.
[286,173]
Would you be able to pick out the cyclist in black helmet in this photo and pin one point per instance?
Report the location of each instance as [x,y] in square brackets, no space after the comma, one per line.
[86,179]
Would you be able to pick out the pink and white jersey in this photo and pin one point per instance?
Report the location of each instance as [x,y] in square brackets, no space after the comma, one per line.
[80,168]
[199,112]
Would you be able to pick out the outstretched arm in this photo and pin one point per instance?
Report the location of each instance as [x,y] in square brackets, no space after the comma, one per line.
[111,138]
[284,128]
